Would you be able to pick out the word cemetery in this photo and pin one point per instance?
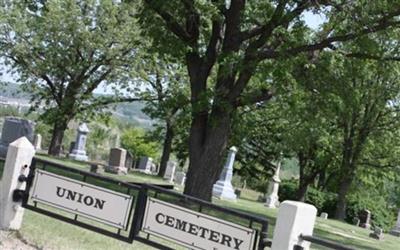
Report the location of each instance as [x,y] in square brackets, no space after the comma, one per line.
[199,231]
[193,229]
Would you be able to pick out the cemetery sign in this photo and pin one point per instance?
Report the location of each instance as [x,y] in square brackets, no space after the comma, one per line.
[195,230]
[81,198]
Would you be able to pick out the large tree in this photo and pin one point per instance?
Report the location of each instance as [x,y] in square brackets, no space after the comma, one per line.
[225,43]
[364,100]
[62,50]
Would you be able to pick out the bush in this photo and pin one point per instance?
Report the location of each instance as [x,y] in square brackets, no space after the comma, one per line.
[381,215]
[323,201]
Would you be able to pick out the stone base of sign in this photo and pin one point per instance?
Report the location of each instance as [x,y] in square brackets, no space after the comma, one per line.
[20,154]
[224,191]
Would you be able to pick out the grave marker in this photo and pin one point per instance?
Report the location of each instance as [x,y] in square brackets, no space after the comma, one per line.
[13,129]
[223,188]
[365,218]
[117,161]
[79,151]
[170,171]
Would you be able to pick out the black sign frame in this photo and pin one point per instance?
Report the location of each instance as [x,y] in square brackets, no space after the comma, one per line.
[138,207]
[34,206]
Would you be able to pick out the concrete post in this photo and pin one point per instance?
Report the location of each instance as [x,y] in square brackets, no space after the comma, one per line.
[18,160]
[294,218]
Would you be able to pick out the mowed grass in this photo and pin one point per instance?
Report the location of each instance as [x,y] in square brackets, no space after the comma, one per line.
[49,233]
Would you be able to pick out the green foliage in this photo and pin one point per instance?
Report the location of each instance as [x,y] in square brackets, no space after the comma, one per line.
[61,51]
[322,200]
[135,141]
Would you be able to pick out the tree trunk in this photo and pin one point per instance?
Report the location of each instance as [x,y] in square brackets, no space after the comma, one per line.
[169,135]
[57,138]
[206,153]
[344,187]
[301,192]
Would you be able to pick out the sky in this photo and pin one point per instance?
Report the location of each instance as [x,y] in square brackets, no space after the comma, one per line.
[312,20]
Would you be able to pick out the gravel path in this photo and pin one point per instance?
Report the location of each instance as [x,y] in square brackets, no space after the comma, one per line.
[11,240]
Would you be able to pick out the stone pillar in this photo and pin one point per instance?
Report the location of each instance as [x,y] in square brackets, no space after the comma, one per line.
[37,142]
[223,188]
[18,161]
[79,152]
[294,218]
[396,229]
[272,199]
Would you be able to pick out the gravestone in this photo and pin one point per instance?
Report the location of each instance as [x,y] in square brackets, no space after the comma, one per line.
[272,200]
[37,142]
[13,129]
[223,188]
[116,163]
[262,198]
[180,178]
[170,171]
[129,161]
[396,229]
[96,168]
[153,168]
[365,218]
[324,215]
[79,151]
[145,164]
[356,222]
[377,234]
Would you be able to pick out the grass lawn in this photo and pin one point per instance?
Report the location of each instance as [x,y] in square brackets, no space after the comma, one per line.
[48,233]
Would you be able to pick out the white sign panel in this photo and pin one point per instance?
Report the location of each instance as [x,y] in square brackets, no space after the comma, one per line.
[195,230]
[81,198]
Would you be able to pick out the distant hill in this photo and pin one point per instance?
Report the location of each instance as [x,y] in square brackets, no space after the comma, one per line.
[128,112]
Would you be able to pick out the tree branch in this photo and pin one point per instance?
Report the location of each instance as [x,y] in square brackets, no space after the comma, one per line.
[171,23]
[382,25]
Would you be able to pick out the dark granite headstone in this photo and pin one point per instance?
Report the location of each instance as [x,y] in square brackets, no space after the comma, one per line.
[365,218]
[13,129]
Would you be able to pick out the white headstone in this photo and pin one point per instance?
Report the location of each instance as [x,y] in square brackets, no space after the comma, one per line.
[324,216]
[37,142]
[79,151]
[18,161]
[223,188]
[294,218]
[170,171]
[180,178]
[145,164]
[272,199]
